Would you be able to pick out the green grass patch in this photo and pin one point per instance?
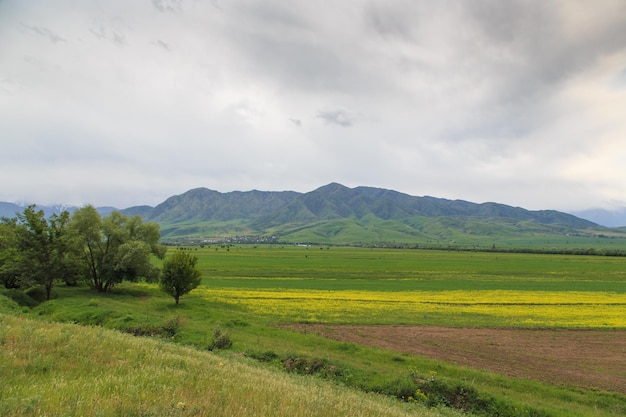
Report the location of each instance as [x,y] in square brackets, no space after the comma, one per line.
[62,369]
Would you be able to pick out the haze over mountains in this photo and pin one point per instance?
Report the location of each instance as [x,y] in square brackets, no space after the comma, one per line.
[10,209]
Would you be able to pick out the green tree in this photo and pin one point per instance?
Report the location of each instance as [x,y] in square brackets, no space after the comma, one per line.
[42,244]
[10,256]
[115,248]
[180,274]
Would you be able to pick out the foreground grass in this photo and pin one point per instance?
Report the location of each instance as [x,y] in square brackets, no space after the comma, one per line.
[69,370]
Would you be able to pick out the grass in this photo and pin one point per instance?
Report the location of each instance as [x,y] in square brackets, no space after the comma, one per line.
[67,370]
[248,290]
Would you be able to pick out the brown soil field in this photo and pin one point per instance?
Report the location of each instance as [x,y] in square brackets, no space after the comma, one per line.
[582,358]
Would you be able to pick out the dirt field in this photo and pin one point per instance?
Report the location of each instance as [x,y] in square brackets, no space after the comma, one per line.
[584,358]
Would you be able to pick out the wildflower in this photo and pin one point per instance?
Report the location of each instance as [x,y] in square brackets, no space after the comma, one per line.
[180,406]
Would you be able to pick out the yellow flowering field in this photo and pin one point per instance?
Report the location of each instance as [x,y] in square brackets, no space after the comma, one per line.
[581,309]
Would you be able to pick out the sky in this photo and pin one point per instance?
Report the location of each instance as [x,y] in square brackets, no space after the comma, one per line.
[123,103]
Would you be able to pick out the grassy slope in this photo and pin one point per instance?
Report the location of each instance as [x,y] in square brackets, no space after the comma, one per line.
[434,232]
[64,369]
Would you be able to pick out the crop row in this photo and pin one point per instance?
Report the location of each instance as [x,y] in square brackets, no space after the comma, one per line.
[454,308]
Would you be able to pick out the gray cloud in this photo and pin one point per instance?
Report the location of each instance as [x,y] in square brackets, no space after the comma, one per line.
[168,5]
[484,100]
[45,32]
[338,117]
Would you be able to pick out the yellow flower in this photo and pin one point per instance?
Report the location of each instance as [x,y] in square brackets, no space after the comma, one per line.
[180,405]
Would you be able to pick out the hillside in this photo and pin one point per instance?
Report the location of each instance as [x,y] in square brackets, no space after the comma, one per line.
[335,214]
[66,369]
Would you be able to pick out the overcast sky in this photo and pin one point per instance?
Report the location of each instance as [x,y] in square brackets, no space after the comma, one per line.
[128,102]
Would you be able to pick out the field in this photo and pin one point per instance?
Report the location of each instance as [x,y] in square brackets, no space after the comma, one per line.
[541,334]
[585,358]
[382,286]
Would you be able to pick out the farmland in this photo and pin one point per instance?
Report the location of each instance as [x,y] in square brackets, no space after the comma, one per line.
[382,286]
[379,319]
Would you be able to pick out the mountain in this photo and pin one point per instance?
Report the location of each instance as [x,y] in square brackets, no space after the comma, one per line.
[608,218]
[202,204]
[11,209]
[337,201]
[338,214]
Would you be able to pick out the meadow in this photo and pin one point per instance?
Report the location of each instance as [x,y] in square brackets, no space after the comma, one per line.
[389,286]
[263,297]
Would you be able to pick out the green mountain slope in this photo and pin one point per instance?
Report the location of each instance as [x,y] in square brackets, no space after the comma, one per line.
[335,214]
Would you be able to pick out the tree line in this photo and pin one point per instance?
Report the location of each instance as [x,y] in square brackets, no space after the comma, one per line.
[36,250]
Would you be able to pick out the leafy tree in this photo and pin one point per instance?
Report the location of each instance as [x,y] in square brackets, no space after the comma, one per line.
[10,256]
[115,248]
[40,254]
[180,274]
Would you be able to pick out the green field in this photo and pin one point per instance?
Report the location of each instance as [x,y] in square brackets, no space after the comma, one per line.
[335,268]
[249,292]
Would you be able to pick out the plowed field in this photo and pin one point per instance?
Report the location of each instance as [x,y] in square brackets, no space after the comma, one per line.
[584,358]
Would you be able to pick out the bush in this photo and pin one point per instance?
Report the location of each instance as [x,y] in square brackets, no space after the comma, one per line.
[434,392]
[7,305]
[168,329]
[39,294]
[21,298]
[171,327]
[403,388]
[312,366]
[221,340]
[267,356]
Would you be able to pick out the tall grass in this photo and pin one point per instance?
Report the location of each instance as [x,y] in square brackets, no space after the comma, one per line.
[69,370]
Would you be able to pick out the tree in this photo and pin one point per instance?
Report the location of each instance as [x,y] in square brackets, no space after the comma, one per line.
[180,274]
[42,254]
[115,248]
[11,260]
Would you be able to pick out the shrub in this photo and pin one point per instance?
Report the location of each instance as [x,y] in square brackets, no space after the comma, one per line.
[221,340]
[21,298]
[168,329]
[312,366]
[171,327]
[39,294]
[267,356]
[434,392]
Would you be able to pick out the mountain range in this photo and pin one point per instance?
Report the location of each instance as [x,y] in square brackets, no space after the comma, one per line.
[11,209]
[609,218]
[337,214]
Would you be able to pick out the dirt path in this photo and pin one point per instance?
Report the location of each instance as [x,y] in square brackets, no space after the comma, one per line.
[584,358]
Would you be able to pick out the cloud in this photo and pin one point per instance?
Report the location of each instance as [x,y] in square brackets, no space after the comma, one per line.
[168,5]
[337,117]
[483,100]
[45,32]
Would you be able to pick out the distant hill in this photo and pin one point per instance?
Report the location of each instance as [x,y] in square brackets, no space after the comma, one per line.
[338,214]
[11,209]
[604,217]
[202,204]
